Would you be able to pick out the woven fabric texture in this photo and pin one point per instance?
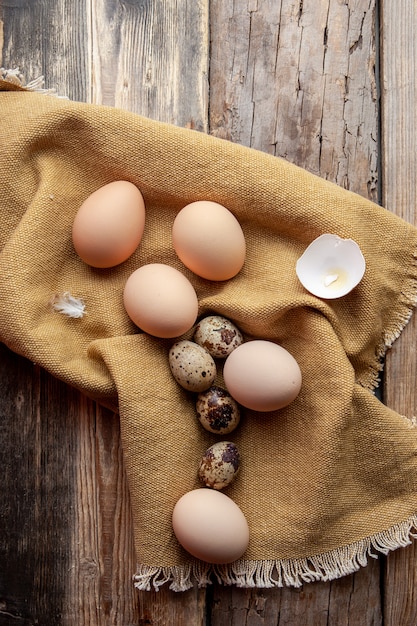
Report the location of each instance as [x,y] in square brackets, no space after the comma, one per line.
[323,480]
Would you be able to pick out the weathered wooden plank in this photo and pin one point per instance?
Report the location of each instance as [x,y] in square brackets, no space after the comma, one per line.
[66,546]
[49,39]
[297,80]
[37,493]
[399,168]
[124,54]
[58,511]
[99,583]
[348,601]
[159,608]
[151,57]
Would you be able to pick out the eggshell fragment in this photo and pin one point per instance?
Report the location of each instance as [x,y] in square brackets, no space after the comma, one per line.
[209,240]
[218,335]
[109,225]
[331,267]
[217,411]
[210,526]
[192,366]
[160,300]
[262,375]
[219,465]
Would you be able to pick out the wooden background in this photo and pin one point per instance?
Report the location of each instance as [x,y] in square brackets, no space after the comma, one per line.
[328,84]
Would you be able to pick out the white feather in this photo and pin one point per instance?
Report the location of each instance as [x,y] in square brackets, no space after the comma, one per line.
[66,304]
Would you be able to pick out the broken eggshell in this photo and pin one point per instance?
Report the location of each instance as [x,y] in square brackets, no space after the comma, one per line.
[331,267]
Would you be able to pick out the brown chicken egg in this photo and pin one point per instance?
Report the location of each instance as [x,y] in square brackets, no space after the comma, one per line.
[209,240]
[210,526]
[109,225]
[160,300]
[261,375]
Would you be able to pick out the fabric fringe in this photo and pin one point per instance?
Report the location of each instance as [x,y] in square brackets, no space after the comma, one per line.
[279,573]
[16,77]
[406,305]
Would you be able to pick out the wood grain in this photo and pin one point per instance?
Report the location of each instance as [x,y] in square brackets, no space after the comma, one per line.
[151,57]
[36,41]
[63,534]
[124,54]
[399,168]
[294,78]
[350,601]
[298,80]
[36,494]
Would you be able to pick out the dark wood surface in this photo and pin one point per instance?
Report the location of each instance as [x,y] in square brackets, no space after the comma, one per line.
[328,84]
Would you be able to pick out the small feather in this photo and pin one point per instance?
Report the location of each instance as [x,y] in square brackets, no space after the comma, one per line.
[66,304]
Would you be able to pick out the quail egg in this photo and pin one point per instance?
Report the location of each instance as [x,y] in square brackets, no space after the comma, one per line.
[192,366]
[218,335]
[217,411]
[219,465]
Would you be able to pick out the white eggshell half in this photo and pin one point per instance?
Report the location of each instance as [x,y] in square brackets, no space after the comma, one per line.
[331,267]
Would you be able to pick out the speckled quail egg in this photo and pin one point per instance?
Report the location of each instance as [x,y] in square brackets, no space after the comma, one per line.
[217,411]
[192,366]
[218,335]
[219,465]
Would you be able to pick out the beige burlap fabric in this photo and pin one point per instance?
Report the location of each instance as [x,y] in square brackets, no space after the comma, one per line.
[323,482]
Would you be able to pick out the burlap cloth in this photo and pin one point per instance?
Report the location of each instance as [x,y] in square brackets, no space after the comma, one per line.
[324,482]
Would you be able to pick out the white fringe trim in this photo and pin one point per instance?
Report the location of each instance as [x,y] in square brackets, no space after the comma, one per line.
[16,77]
[280,572]
[406,306]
